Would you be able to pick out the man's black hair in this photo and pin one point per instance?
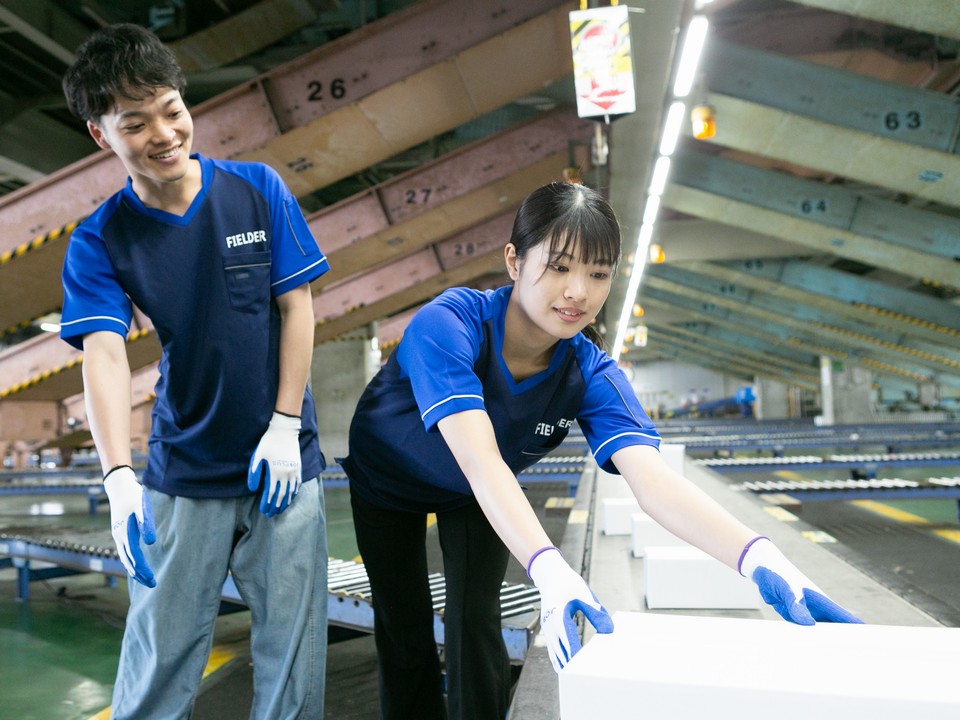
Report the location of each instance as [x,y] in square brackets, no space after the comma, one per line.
[122,60]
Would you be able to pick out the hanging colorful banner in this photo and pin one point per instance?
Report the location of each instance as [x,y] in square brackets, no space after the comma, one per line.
[602,63]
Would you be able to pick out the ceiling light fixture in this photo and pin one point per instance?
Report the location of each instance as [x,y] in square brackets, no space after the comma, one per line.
[658,182]
[695,37]
[690,56]
[671,128]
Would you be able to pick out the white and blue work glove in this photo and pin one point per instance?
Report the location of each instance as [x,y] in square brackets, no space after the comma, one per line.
[788,590]
[563,593]
[131,520]
[275,464]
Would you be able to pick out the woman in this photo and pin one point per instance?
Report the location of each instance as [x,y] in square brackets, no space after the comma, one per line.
[482,386]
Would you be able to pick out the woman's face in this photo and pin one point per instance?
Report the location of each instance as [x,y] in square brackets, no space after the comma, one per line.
[558,294]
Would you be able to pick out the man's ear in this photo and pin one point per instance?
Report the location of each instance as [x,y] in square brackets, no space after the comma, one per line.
[96,132]
[512,261]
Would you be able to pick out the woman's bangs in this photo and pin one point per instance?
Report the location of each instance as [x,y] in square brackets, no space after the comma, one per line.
[591,243]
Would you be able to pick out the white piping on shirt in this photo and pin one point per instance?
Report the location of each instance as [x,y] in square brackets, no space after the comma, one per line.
[640,434]
[95,317]
[299,272]
[446,400]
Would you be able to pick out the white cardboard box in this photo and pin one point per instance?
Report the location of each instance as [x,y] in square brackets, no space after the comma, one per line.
[644,531]
[674,667]
[615,514]
[687,578]
[674,455]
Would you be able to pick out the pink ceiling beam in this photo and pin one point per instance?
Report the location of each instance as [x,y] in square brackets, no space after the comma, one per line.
[29,421]
[34,357]
[46,354]
[455,174]
[390,330]
[400,274]
[335,75]
[489,236]
[353,293]
[426,188]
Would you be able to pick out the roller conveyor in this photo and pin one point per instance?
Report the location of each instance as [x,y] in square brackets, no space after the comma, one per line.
[58,485]
[349,597]
[761,443]
[776,438]
[761,463]
[551,468]
[858,489]
[554,468]
[806,427]
[830,462]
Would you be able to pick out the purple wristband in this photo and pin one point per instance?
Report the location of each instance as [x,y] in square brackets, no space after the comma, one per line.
[747,547]
[538,552]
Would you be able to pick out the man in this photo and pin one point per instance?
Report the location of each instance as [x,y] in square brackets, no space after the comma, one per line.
[218,255]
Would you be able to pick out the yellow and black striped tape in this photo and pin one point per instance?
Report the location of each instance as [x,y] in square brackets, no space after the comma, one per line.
[39,377]
[39,241]
[45,374]
[908,319]
[942,287]
[878,365]
[928,356]
[389,344]
[26,323]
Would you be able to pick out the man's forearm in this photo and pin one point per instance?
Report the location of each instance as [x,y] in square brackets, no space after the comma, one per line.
[106,386]
[296,348]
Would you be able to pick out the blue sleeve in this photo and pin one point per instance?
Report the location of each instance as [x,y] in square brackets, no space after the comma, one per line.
[295,257]
[437,353]
[92,297]
[611,417]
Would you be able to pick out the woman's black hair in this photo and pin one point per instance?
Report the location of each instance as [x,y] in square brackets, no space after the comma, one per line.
[122,60]
[570,218]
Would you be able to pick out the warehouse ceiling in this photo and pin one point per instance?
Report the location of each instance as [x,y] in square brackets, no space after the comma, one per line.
[821,220]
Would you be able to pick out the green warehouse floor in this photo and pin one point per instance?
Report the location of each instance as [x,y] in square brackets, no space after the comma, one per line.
[59,649]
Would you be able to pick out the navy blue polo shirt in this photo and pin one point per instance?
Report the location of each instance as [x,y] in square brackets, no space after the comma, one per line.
[451,360]
[208,281]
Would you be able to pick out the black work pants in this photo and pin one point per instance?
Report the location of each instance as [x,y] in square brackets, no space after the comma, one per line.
[392,545]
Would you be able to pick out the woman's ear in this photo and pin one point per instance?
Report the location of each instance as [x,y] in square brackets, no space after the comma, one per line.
[512,261]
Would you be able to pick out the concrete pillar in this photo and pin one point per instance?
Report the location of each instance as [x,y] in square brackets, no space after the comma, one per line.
[928,394]
[772,399]
[826,416]
[853,394]
[341,370]
[846,393]
[21,452]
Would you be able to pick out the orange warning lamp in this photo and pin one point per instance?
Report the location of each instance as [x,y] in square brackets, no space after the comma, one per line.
[657,255]
[704,121]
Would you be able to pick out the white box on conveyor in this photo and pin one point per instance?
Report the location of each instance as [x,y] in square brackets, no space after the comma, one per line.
[644,531]
[615,514]
[674,455]
[656,666]
[686,578]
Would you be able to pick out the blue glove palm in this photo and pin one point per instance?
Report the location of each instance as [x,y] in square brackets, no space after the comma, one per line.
[131,519]
[592,611]
[275,464]
[786,589]
[563,594]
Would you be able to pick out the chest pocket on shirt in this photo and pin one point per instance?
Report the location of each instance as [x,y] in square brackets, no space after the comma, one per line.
[542,446]
[248,280]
